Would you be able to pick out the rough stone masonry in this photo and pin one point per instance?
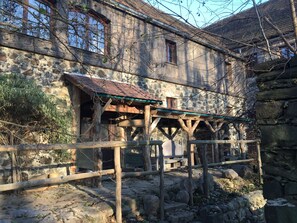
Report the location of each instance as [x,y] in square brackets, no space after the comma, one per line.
[276,110]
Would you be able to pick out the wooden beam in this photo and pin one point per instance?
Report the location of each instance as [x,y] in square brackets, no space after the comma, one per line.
[215,128]
[154,125]
[223,141]
[146,150]
[177,117]
[84,145]
[52,181]
[123,109]
[183,125]
[131,123]
[106,105]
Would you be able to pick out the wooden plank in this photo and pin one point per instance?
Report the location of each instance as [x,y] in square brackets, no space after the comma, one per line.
[52,181]
[259,162]
[118,172]
[162,192]
[154,125]
[223,141]
[123,109]
[131,123]
[226,163]
[84,145]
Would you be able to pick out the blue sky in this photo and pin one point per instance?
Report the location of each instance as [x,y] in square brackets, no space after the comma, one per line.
[203,12]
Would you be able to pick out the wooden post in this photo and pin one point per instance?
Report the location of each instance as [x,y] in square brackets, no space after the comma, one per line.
[146,151]
[259,161]
[97,137]
[161,160]
[205,172]
[75,100]
[190,171]
[118,173]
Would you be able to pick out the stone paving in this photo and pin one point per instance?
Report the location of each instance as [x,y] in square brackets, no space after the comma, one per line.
[81,203]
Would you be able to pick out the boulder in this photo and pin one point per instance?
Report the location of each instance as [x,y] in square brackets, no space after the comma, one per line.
[182,197]
[151,204]
[230,174]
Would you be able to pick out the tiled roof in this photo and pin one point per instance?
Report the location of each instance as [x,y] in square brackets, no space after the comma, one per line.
[244,26]
[95,86]
[192,32]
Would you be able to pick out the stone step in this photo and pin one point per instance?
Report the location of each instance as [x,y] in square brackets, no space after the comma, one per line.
[171,206]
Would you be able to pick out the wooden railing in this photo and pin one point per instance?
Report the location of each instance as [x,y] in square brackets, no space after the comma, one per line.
[117,146]
[205,164]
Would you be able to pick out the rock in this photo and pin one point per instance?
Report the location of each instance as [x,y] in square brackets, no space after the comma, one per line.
[182,197]
[243,171]
[185,185]
[151,204]
[230,174]
[181,216]
[211,183]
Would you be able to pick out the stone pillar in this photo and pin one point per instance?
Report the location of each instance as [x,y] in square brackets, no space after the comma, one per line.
[276,112]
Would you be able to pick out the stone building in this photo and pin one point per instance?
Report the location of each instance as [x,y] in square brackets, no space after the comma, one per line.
[243,34]
[128,70]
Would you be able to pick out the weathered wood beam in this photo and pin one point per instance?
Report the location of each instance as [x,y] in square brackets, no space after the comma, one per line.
[84,145]
[123,109]
[146,150]
[154,125]
[131,123]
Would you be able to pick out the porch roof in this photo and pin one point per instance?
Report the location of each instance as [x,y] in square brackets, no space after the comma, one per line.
[111,89]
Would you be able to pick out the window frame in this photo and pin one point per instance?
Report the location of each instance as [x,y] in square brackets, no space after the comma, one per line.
[24,18]
[171,102]
[171,52]
[90,14]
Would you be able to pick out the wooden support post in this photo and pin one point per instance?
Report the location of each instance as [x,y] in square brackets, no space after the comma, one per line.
[146,151]
[118,173]
[259,161]
[161,160]
[97,137]
[14,168]
[205,172]
[75,100]
[190,172]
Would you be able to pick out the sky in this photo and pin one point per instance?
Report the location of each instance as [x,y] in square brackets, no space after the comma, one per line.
[203,12]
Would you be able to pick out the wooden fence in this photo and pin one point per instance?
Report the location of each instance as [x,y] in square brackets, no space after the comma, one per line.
[117,146]
[205,164]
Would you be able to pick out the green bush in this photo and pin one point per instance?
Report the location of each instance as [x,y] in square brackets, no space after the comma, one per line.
[31,111]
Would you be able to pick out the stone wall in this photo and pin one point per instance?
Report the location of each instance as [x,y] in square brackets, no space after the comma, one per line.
[276,112]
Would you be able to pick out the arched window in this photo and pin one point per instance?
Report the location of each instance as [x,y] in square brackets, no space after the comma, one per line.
[86,31]
[31,17]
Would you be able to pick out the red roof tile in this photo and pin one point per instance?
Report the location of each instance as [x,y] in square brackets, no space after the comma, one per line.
[94,86]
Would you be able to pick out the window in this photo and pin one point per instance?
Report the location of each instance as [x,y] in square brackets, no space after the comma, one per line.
[85,31]
[31,17]
[171,102]
[171,52]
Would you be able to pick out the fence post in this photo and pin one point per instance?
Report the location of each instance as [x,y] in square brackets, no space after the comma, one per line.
[118,173]
[190,171]
[161,160]
[205,172]
[259,161]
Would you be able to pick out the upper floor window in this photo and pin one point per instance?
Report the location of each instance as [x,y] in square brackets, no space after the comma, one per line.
[31,17]
[85,31]
[171,52]
[171,102]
